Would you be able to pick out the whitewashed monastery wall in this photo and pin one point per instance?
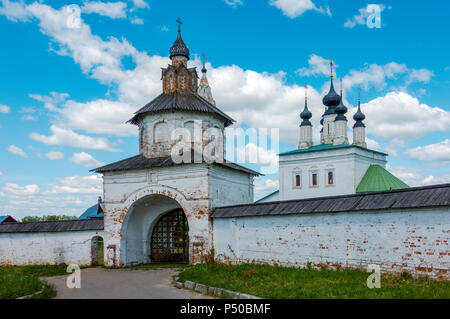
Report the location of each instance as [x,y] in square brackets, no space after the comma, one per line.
[47,248]
[412,240]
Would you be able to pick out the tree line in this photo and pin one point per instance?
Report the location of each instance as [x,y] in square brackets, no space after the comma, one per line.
[47,218]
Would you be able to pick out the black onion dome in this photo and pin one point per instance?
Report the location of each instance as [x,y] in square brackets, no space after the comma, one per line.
[332,99]
[359,117]
[305,116]
[179,48]
[341,109]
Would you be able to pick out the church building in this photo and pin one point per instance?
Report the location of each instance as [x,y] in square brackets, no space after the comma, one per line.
[334,167]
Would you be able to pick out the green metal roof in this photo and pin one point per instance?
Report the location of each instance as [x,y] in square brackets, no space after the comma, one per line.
[267,196]
[326,147]
[379,179]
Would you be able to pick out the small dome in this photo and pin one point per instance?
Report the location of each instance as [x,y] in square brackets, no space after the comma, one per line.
[306,114]
[332,99]
[359,116]
[341,109]
[95,211]
[179,48]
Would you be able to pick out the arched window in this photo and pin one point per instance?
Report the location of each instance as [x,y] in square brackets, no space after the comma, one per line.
[161,132]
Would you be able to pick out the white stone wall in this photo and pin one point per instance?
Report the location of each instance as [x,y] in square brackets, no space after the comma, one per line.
[47,248]
[359,136]
[408,240]
[348,165]
[305,140]
[161,143]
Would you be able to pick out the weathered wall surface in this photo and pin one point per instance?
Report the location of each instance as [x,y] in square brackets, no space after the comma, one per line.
[47,248]
[191,187]
[415,240]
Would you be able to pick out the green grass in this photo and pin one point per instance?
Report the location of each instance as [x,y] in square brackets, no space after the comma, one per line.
[295,283]
[18,281]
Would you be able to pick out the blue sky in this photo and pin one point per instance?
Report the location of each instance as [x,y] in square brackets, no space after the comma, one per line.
[67,92]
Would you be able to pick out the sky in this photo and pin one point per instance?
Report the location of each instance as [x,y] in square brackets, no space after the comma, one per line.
[68,85]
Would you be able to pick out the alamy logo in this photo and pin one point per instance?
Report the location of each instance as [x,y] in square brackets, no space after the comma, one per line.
[74,279]
[374,280]
[374,18]
[74,16]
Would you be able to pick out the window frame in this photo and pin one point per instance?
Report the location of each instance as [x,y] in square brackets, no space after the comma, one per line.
[296,173]
[327,172]
[311,179]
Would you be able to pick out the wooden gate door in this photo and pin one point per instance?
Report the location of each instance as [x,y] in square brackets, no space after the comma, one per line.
[170,240]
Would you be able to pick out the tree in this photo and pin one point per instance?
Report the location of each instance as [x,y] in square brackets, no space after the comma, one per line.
[46,218]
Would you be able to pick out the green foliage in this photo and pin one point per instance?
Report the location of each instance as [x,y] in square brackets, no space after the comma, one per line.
[18,281]
[296,283]
[47,218]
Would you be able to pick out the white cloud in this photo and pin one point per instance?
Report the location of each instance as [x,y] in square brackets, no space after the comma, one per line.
[15,11]
[264,186]
[233,3]
[140,3]
[86,160]
[360,18]
[421,75]
[295,8]
[251,153]
[21,190]
[29,118]
[1,173]
[433,152]
[4,109]
[52,101]
[98,117]
[138,21]
[77,185]
[113,10]
[67,137]
[17,151]
[54,156]
[401,116]
[317,66]
[413,176]
[373,75]
[164,28]
[70,196]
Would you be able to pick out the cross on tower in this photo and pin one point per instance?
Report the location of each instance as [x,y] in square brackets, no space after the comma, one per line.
[179,24]
[331,67]
[359,93]
[306,91]
[203,59]
[340,79]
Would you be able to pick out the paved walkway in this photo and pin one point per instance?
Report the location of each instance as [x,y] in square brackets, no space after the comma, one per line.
[100,283]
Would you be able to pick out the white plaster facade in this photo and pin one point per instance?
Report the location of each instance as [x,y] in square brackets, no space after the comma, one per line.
[135,199]
[53,248]
[402,240]
[347,164]
[158,132]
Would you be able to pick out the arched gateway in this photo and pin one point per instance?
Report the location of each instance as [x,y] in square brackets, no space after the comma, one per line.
[155,229]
